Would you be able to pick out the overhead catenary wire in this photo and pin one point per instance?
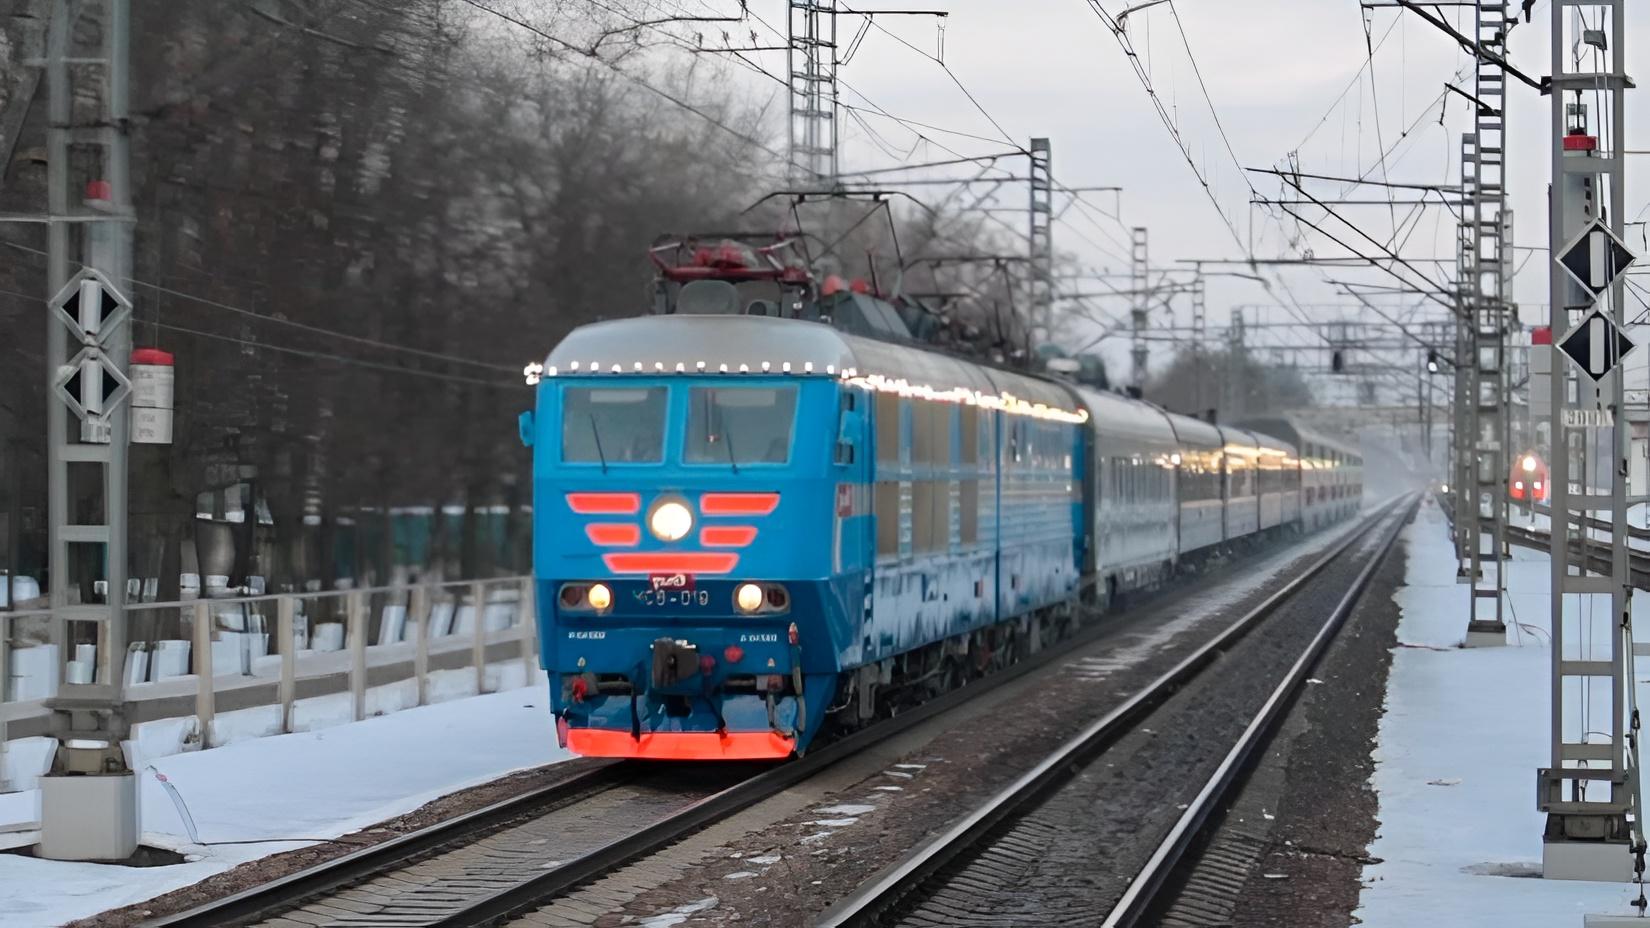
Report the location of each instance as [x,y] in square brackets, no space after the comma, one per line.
[315,355]
[293,324]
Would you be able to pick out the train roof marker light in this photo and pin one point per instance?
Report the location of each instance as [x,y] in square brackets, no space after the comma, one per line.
[534,372]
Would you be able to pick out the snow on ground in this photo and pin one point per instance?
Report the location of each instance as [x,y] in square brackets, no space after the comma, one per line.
[281,791]
[1459,836]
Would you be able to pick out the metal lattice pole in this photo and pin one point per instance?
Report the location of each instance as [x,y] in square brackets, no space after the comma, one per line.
[812,64]
[1483,179]
[1140,305]
[1042,239]
[1200,324]
[88,343]
[1591,786]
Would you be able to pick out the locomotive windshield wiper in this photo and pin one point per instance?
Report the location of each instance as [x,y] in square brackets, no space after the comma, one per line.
[727,439]
[597,435]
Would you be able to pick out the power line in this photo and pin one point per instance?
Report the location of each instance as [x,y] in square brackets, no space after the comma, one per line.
[626,75]
[289,323]
[318,355]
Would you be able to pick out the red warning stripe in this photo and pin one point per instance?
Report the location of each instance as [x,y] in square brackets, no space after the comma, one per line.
[672,562]
[738,504]
[614,535]
[605,504]
[673,745]
[727,536]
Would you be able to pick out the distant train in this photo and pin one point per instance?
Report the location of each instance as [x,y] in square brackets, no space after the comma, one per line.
[748,527]
[1528,481]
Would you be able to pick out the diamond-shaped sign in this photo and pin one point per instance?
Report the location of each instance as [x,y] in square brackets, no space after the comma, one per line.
[1595,258]
[91,306]
[1597,345]
[68,373]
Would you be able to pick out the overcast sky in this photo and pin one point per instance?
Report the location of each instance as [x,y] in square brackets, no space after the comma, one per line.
[1275,70]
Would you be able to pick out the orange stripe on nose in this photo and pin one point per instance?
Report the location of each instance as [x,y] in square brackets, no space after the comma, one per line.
[614,535]
[668,562]
[673,745]
[738,504]
[727,536]
[605,504]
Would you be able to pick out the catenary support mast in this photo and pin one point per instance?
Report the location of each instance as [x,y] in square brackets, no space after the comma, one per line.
[89,800]
[812,65]
[1483,420]
[1590,790]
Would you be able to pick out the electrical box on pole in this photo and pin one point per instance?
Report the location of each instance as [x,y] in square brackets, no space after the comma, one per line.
[1590,792]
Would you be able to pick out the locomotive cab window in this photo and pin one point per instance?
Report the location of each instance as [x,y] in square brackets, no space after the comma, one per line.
[740,425]
[617,425]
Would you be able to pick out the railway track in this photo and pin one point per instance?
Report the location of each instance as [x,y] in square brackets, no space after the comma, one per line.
[1036,851]
[1584,551]
[506,861]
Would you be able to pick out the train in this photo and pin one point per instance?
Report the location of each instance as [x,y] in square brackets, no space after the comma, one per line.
[1528,482]
[750,528]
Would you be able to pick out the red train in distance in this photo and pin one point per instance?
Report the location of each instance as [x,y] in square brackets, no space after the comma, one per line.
[1528,482]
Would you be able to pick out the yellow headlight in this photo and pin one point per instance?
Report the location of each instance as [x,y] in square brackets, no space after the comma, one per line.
[600,597]
[748,597]
[671,521]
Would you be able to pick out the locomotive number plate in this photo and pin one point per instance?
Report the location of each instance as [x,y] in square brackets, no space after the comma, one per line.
[678,598]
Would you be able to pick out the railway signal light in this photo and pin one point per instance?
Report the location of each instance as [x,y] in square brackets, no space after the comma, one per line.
[1432,362]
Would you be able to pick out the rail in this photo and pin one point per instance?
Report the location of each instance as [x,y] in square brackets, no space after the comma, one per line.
[279,649]
[467,903]
[888,888]
[1586,551]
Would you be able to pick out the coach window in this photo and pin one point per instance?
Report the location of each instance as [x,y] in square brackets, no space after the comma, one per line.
[613,425]
[887,432]
[740,425]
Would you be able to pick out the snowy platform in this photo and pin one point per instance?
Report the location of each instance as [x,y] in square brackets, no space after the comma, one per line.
[1459,837]
[278,793]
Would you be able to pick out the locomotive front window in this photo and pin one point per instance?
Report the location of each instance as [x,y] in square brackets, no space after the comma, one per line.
[740,425]
[618,425]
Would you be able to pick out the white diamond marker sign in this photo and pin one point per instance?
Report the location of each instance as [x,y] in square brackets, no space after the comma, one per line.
[1596,258]
[1597,345]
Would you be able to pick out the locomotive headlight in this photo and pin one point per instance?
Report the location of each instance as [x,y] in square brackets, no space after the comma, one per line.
[1529,463]
[748,597]
[600,597]
[670,521]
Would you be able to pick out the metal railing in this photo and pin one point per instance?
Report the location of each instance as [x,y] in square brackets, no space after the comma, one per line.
[283,652]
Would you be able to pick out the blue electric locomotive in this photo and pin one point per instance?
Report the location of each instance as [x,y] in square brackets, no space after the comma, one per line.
[744,525]
[712,573]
